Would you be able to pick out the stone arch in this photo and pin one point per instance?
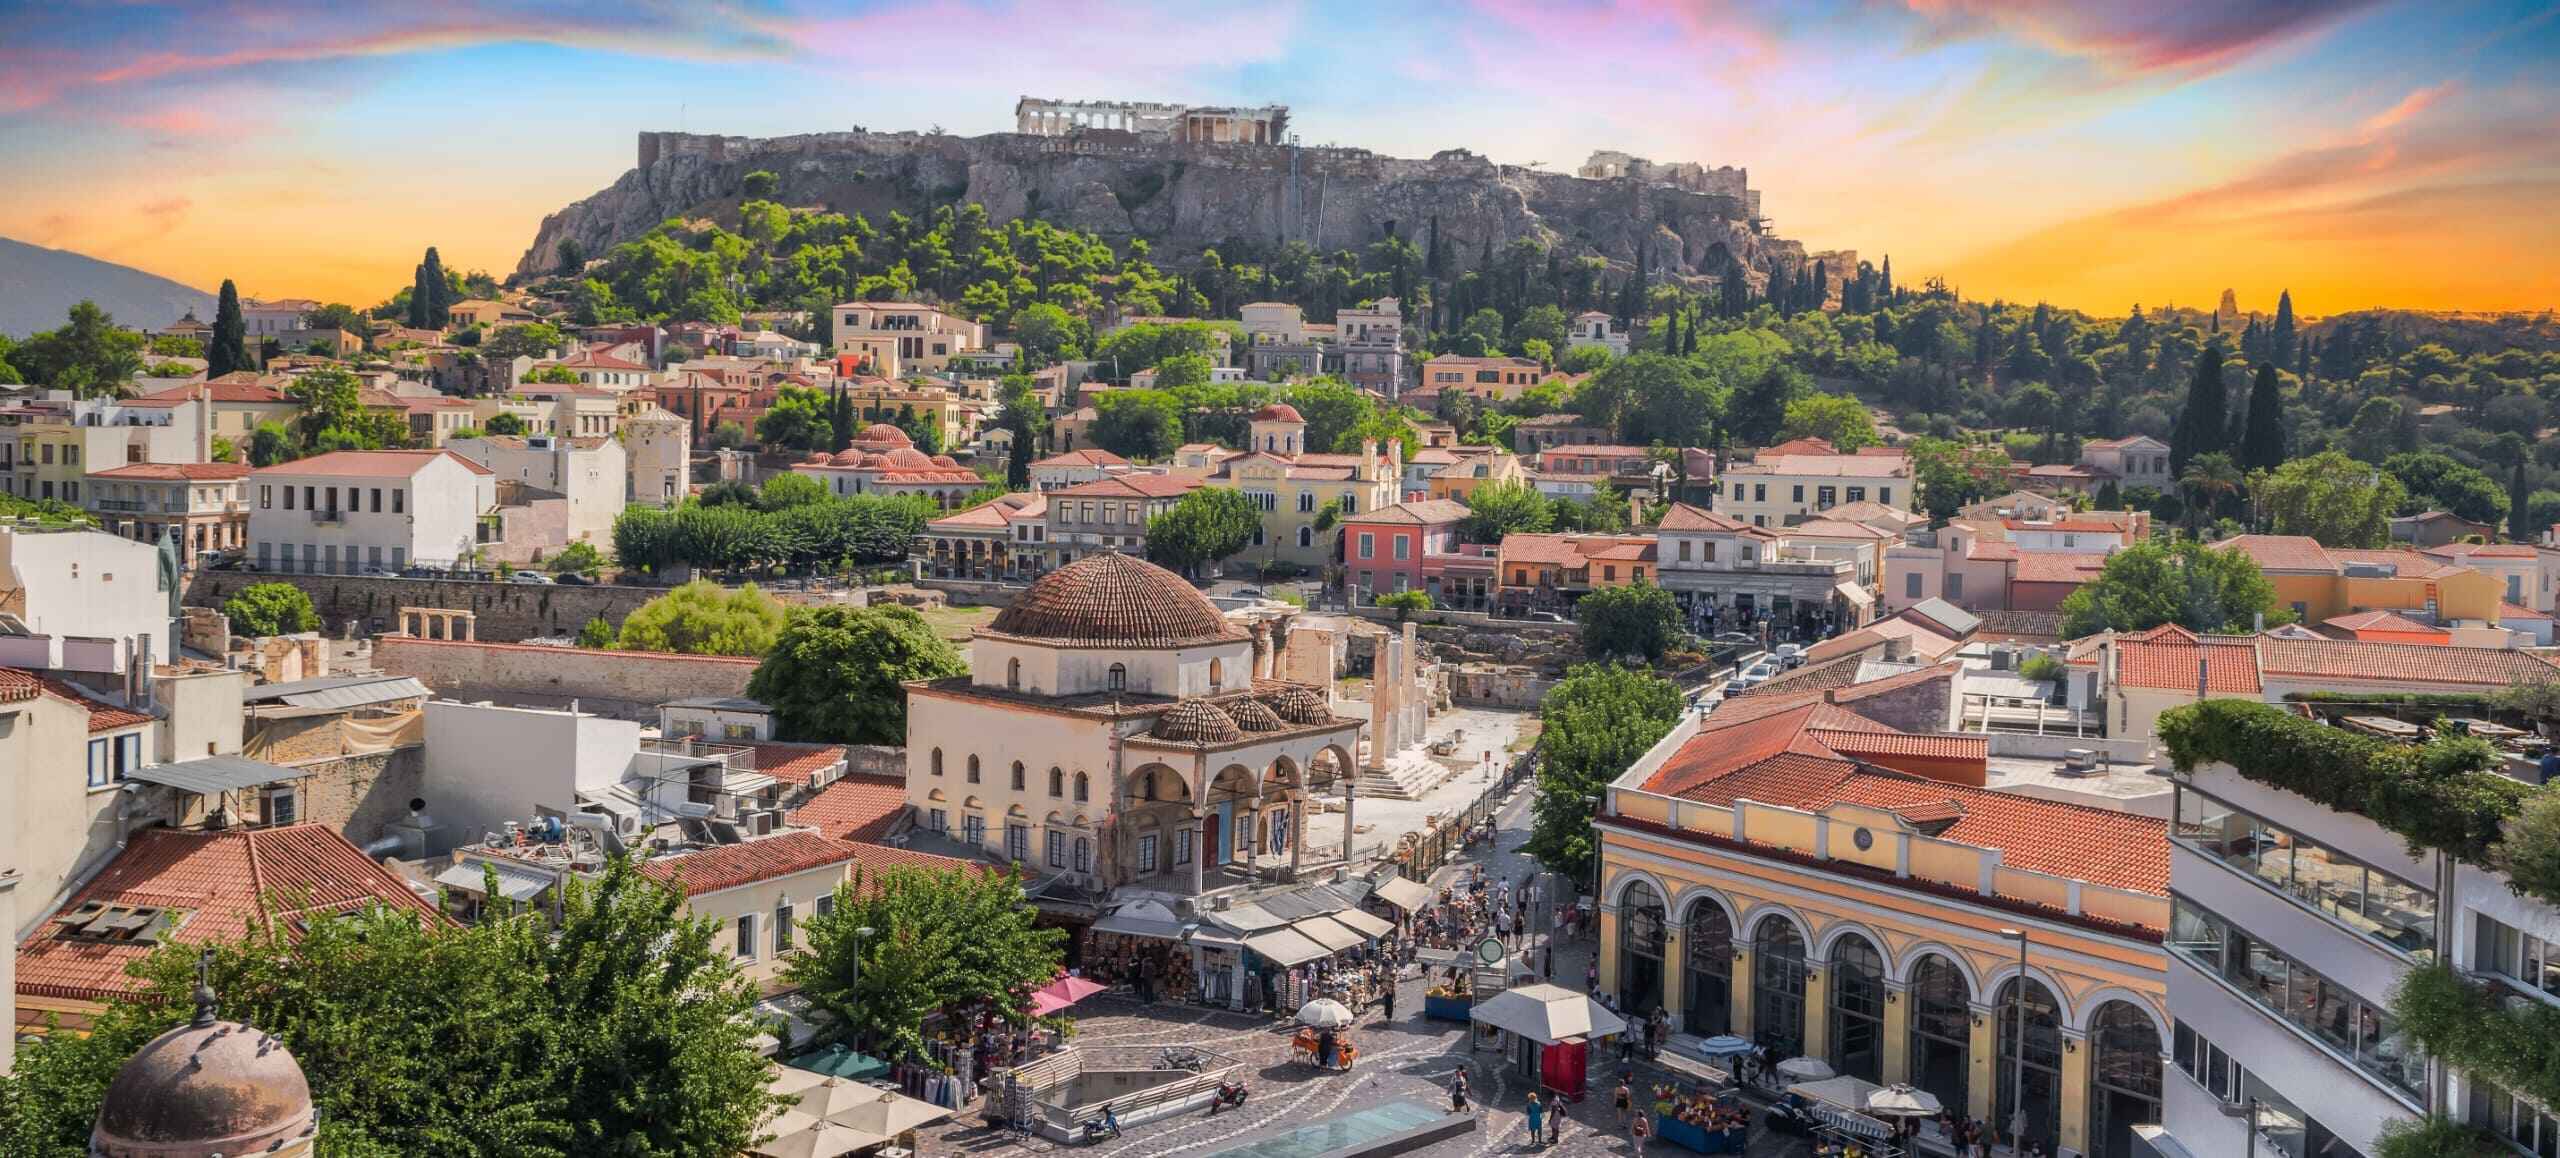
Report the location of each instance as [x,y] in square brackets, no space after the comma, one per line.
[1910,962]
[1082,821]
[1055,819]
[1084,786]
[1619,884]
[1170,785]
[2066,1011]
[1685,906]
[937,797]
[1283,773]
[1832,933]
[1243,780]
[974,802]
[1752,918]
[2098,999]
[1339,757]
[1017,810]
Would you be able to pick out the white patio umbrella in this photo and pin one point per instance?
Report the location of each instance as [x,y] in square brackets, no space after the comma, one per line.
[1903,1101]
[1724,1045]
[824,1140]
[1325,1013]
[1805,1069]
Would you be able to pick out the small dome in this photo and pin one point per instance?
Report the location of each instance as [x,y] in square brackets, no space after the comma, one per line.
[1196,722]
[1302,705]
[850,458]
[1114,598]
[1277,412]
[817,458]
[944,460]
[1255,716]
[208,1087]
[882,436]
[906,458]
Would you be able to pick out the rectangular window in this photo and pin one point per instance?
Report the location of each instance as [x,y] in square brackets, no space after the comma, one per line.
[1955,585]
[1684,550]
[1147,854]
[1368,545]
[1306,502]
[1884,495]
[1825,497]
[1057,842]
[1857,494]
[276,806]
[266,496]
[1182,846]
[101,764]
[288,498]
[309,501]
[825,904]
[938,820]
[1760,492]
[2356,1029]
[1404,547]
[377,500]
[1799,495]
[263,554]
[2375,904]
[747,936]
[399,502]
[973,829]
[1017,842]
[782,920]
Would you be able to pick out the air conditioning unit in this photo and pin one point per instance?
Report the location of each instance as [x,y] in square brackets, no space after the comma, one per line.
[761,822]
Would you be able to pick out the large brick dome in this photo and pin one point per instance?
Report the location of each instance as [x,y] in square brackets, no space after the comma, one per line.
[1114,598]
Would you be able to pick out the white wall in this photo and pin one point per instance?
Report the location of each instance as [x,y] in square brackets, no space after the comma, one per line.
[658,453]
[87,583]
[1052,671]
[57,823]
[593,479]
[438,523]
[487,764]
[998,736]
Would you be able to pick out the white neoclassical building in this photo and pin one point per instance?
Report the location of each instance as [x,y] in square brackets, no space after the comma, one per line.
[1118,730]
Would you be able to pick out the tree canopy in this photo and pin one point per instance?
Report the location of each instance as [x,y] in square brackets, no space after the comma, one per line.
[1638,620]
[837,674]
[704,618]
[909,942]
[1503,508]
[1202,527]
[1598,720]
[2437,481]
[88,355]
[270,609]
[1842,421]
[2332,498]
[2192,585]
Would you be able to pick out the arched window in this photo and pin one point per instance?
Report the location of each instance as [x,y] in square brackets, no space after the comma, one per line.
[1777,984]
[1306,536]
[2042,1075]
[1017,775]
[1013,673]
[1118,680]
[1057,781]
[1941,1030]
[1084,787]
[1857,1009]
[1640,930]
[1217,673]
[2124,1077]
[1147,784]
[1708,944]
[973,769]
[937,761]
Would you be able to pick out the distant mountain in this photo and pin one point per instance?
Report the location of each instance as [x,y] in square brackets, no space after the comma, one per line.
[38,286]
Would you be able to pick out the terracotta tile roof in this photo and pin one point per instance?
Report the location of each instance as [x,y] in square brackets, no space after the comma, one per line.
[1903,744]
[2057,567]
[1834,465]
[1131,486]
[368,464]
[1421,512]
[728,866]
[869,860]
[217,884]
[2165,658]
[856,808]
[1838,528]
[227,388]
[2381,621]
[796,763]
[16,686]
[1083,458]
[2283,552]
[1622,551]
[174,471]
[2074,524]
[1683,517]
[103,716]
[597,360]
[2484,550]
[2350,659]
[2511,611]
[1852,643]
[1803,446]
[1113,598]
[1536,548]
[2097,845]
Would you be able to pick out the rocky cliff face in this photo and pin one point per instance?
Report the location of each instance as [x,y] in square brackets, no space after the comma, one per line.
[1182,197]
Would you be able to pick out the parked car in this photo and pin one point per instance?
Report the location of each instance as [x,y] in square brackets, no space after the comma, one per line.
[1545,617]
[1250,592]
[1736,637]
[1789,655]
[379,573]
[535,577]
[575,579]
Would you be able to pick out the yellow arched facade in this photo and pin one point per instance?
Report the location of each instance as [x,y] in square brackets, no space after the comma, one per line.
[1829,918]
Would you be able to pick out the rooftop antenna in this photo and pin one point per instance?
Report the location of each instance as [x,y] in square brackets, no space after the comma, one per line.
[204,990]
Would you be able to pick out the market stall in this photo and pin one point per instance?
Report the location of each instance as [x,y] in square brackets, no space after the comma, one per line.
[1546,1032]
[1324,1036]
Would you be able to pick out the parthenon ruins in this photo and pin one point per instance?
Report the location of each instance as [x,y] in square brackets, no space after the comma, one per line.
[1267,125]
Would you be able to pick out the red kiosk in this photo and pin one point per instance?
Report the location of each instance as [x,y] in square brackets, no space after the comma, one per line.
[1547,1032]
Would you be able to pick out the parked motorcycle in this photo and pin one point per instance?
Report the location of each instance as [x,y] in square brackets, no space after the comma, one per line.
[1229,1094]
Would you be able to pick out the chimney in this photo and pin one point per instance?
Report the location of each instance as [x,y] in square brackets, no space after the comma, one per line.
[2200,672]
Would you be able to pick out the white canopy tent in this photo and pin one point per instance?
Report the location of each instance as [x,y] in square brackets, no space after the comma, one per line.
[1548,1014]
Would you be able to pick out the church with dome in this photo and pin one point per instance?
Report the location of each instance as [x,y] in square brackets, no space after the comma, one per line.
[1118,732]
[884,461]
[207,1089]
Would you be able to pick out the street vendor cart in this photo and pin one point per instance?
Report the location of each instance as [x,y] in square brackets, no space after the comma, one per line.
[1546,1031]
[1324,1036]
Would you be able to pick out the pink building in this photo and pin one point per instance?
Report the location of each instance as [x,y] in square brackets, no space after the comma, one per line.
[1386,550]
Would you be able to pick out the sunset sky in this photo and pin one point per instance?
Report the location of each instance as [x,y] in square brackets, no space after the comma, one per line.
[2091,154]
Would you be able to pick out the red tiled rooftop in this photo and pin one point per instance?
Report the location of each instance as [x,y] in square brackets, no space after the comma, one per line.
[796,763]
[856,808]
[2381,621]
[729,866]
[2167,656]
[368,464]
[219,885]
[173,471]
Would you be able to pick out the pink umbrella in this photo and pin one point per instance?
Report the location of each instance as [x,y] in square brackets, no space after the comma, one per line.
[1062,993]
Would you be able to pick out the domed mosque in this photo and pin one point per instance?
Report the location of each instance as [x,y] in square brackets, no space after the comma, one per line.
[207,1089]
[884,461]
[1117,726]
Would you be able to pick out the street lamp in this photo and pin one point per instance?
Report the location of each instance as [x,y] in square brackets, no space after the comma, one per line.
[2018,1058]
[860,935]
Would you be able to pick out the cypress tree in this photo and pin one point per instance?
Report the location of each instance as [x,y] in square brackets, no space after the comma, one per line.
[439,291]
[1781,294]
[420,300]
[2516,495]
[1884,283]
[2203,424]
[229,350]
[2280,338]
[1819,292]
[2262,436]
[1689,341]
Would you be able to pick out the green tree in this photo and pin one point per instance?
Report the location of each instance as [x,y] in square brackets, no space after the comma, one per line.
[271,609]
[88,355]
[1202,527]
[2280,344]
[2204,423]
[911,942]
[1840,420]
[1021,402]
[1497,509]
[704,618]
[558,376]
[837,675]
[2332,498]
[439,291]
[1639,620]
[579,558]
[2374,433]
[1950,475]
[1480,336]
[624,1029]
[1332,408]
[1758,410]
[596,635]
[230,348]
[2194,586]
[1183,372]
[270,443]
[799,419]
[1138,424]
[728,436]
[2262,429]
[1539,323]
[530,340]
[759,185]
[2211,481]
[2519,502]
[504,423]
[2435,479]
[1049,334]
[789,489]
[1405,603]
[1649,398]
[1598,720]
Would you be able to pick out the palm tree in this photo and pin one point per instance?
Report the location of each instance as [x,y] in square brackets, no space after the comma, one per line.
[2211,478]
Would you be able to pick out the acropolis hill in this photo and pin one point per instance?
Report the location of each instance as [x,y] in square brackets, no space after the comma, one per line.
[1188,178]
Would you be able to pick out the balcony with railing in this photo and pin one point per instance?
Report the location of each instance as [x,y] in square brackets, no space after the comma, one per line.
[330,515]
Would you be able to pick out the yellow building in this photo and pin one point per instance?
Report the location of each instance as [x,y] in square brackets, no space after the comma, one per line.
[881,400]
[1798,873]
[1461,478]
[2321,583]
[1293,488]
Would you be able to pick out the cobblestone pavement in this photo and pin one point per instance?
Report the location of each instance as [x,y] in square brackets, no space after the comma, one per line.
[1410,1058]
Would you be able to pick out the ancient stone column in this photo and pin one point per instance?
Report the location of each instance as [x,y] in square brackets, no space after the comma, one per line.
[1199,847]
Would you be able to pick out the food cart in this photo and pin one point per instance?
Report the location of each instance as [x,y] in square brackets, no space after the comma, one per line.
[1324,1036]
[1546,1032]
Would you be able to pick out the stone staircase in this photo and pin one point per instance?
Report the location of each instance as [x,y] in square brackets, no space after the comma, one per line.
[1407,776]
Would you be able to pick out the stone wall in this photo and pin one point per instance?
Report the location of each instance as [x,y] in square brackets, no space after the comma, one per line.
[1920,707]
[1519,688]
[626,684]
[506,611]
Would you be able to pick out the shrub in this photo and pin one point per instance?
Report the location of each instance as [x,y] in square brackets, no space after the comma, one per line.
[2474,1029]
[1405,603]
[2439,796]
[271,609]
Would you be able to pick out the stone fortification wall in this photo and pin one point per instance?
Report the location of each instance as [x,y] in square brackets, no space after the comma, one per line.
[506,611]
[625,684]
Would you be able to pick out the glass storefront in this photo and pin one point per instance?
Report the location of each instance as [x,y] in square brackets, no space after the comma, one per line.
[1708,946]
[1941,1031]
[1777,983]
[1857,1009]
[2290,991]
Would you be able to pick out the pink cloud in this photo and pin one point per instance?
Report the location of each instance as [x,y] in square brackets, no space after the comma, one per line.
[2171,37]
[2410,107]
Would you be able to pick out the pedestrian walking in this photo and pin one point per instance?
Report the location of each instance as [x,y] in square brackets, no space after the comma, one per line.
[1458,1092]
[1636,1131]
[1591,977]
[1626,1097]
[1387,1000]
[1537,1119]
[1555,1122]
